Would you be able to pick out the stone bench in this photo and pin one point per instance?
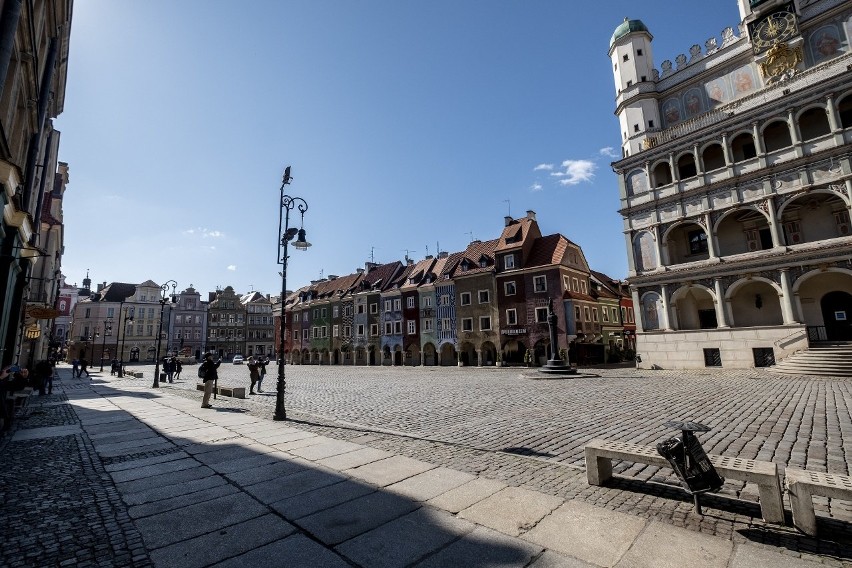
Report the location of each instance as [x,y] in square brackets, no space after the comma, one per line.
[600,453]
[233,392]
[802,485]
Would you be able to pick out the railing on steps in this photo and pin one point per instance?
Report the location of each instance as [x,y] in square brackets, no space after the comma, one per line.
[816,334]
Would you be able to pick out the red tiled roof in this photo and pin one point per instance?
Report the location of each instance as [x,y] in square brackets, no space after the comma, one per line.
[473,254]
[547,250]
[513,234]
[577,296]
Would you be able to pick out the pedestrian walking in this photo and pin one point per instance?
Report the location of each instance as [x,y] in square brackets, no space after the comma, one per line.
[210,376]
[84,368]
[254,373]
[262,369]
[169,368]
[178,368]
[43,372]
[114,367]
[75,368]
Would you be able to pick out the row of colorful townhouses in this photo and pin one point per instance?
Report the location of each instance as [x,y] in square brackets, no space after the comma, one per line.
[486,305]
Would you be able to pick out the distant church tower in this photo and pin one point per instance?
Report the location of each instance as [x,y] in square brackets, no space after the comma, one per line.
[633,70]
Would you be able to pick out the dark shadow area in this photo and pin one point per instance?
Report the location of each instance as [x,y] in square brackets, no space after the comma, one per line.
[528,452]
[207,503]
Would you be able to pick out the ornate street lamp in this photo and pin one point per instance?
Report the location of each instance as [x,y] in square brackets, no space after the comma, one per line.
[285,235]
[163,301]
[107,331]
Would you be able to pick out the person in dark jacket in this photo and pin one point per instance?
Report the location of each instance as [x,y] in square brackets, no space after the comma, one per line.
[254,373]
[178,368]
[211,375]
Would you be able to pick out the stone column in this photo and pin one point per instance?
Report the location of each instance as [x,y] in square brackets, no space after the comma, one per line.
[712,245]
[729,162]
[631,260]
[794,133]
[758,144]
[637,310]
[662,255]
[479,357]
[774,228]
[831,111]
[721,305]
[788,310]
[673,168]
[666,325]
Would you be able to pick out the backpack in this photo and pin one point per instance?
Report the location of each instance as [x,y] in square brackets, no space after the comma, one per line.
[201,369]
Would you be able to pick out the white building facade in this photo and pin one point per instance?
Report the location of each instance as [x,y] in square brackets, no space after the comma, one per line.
[736,183]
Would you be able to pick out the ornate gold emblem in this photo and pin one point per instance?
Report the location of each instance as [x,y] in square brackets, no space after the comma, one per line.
[780,60]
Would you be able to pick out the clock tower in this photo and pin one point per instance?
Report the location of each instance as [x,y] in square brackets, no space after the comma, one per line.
[773,29]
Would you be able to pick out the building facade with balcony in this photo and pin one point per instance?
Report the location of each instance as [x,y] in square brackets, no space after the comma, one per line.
[736,186]
[188,324]
[226,318]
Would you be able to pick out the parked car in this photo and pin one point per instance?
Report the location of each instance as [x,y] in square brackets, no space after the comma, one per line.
[238,359]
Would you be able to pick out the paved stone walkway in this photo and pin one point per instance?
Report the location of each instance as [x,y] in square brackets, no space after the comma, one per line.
[501,465]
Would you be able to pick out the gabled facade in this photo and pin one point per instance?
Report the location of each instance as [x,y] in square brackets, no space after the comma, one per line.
[188,324]
[445,304]
[411,310]
[477,315]
[427,298]
[226,317]
[392,323]
[259,329]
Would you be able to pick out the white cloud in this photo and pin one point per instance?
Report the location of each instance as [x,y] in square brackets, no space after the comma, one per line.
[609,152]
[232,267]
[543,167]
[535,187]
[204,233]
[575,171]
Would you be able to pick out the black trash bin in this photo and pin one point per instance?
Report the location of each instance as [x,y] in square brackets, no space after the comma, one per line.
[690,461]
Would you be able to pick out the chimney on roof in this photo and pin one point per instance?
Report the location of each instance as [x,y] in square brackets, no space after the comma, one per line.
[101,287]
[508,220]
[429,257]
[443,254]
[369,266]
[409,261]
[530,214]
[359,270]
[332,277]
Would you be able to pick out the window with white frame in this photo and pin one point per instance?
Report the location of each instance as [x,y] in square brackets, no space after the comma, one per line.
[374,308]
[541,315]
[388,305]
[485,323]
[630,315]
[445,324]
[577,314]
[325,331]
[623,314]
[360,330]
[427,325]
[409,302]
[361,308]
[604,314]
[295,334]
[509,288]
[297,316]
[347,331]
[511,317]
[509,261]
[614,315]
[335,311]
[412,327]
[323,312]
[397,304]
[427,302]
[540,283]
[594,314]
[397,327]
[388,328]
[335,331]
[484,296]
[465,298]
[584,286]
[587,313]
[467,324]
[445,299]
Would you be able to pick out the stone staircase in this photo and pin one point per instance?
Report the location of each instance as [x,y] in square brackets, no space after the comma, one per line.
[821,359]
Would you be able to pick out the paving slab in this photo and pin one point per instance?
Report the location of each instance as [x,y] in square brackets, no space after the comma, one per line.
[355,458]
[320,499]
[245,463]
[180,501]
[142,462]
[154,470]
[512,511]
[295,444]
[405,540]
[159,492]
[337,524]
[667,546]
[226,454]
[429,484]
[198,519]
[589,533]
[464,496]
[125,450]
[46,432]
[484,548]
[174,478]
[325,449]
[298,550]
[751,556]
[267,472]
[226,543]
[390,470]
[550,559]
[294,484]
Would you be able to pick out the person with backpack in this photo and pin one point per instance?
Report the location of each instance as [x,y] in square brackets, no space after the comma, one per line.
[207,371]
[254,373]
[261,364]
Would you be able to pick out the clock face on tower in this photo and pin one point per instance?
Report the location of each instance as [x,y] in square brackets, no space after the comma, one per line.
[775,28]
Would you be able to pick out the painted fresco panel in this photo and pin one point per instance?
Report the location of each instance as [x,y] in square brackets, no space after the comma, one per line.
[652,307]
[645,251]
[637,182]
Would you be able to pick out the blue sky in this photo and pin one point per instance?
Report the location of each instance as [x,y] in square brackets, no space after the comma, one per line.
[408,126]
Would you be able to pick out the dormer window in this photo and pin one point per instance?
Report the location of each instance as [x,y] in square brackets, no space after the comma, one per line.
[509,261]
[465,265]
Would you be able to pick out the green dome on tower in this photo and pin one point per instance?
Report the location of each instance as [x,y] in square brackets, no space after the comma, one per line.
[628,26]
